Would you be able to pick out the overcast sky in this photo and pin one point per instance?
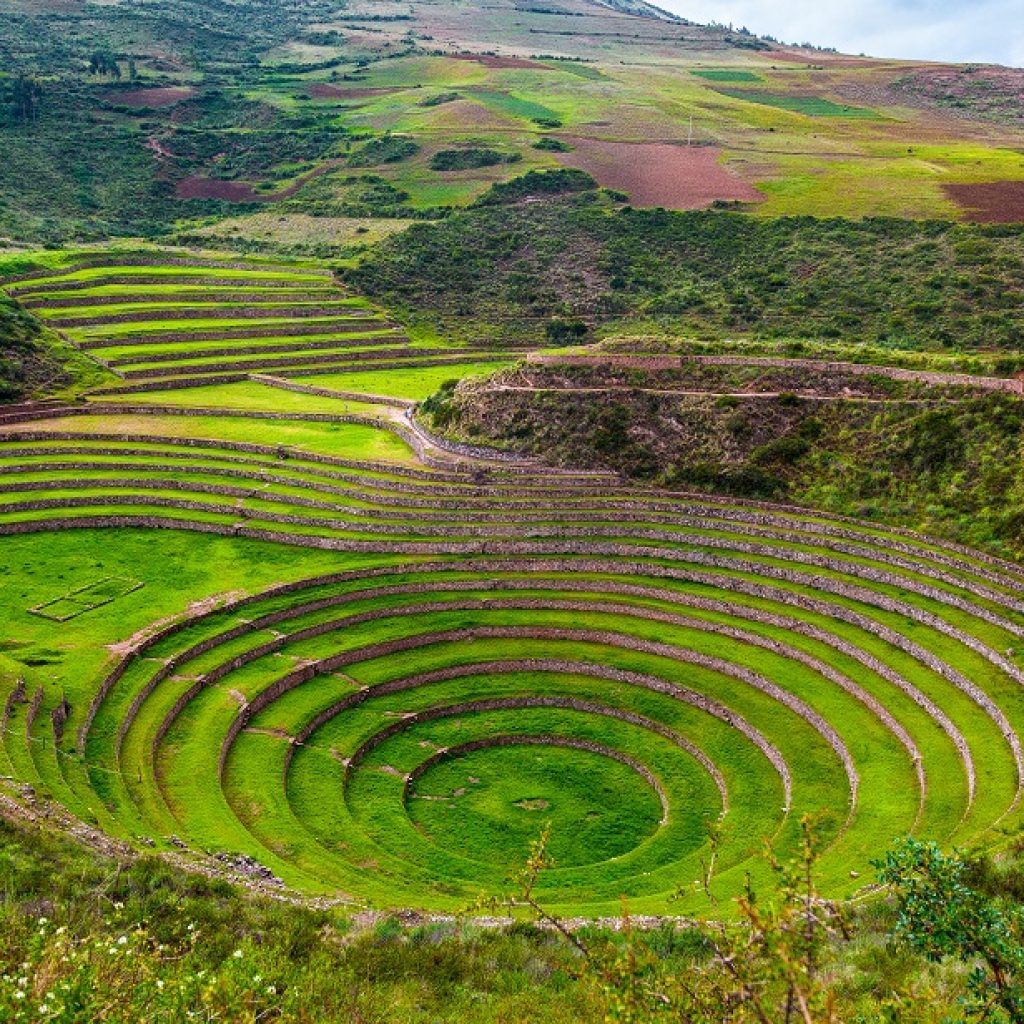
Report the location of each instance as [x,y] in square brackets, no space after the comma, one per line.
[990,31]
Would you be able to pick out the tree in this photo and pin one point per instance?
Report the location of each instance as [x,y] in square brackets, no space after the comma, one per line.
[941,916]
[26,97]
[562,332]
[103,62]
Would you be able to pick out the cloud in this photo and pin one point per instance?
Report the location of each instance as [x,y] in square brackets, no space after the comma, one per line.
[945,30]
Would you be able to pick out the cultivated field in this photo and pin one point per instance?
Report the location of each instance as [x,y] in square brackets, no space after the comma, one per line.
[311,113]
[291,635]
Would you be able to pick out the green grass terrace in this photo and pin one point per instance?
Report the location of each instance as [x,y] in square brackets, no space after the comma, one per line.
[379,678]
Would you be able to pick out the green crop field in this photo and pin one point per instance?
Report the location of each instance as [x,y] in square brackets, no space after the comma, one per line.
[812,106]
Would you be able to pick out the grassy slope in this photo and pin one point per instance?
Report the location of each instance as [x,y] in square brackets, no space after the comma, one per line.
[191,945]
[179,957]
[953,469]
[36,362]
[280,91]
[509,270]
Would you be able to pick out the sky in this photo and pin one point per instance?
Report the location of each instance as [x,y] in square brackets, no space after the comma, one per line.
[984,31]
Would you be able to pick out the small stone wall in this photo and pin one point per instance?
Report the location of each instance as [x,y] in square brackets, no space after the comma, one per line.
[1009,384]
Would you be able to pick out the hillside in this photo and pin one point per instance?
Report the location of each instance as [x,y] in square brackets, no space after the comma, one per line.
[35,363]
[272,105]
[512,269]
[946,458]
[509,512]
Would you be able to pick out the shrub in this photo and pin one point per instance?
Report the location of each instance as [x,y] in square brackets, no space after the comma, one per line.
[469,159]
[539,183]
[389,149]
[550,144]
[562,332]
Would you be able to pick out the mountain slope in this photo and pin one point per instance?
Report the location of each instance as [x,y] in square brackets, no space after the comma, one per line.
[183,112]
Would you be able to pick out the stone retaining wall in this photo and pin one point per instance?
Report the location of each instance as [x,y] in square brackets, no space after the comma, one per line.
[646,506]
[332,663]
[661,362]
[358,359]
[869,597]
[248,350]
[33,713]
[197,295]
[767,592]
[787,554]
[297,677]
[59,718]
[468,450]
[462,530]
[272,452]
[337,313]
[743,636]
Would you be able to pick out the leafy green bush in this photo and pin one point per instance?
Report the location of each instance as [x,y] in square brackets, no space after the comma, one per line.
[470,159]
[549,144]
[538,183]
[440,99]
[388,149]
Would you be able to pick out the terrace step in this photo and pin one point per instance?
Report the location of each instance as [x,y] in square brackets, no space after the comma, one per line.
[197,280]
[215,312]
[187,355]
[181,297]
[344,324]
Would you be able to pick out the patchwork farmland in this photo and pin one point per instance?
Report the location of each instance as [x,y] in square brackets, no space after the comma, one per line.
[407,655]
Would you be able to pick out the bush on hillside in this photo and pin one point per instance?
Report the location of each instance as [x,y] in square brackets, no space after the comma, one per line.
[470,159]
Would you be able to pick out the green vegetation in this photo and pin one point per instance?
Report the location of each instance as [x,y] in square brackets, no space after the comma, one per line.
[726,75]
[469,158]
[549,144]
[369,684]
[812,106]
[947,460]
[189,320]
[389,149]
[506,269]
[93,936]
[34,361]
[538,184]
[440,99]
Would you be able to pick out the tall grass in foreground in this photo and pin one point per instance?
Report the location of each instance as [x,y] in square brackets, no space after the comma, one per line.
[86,938]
